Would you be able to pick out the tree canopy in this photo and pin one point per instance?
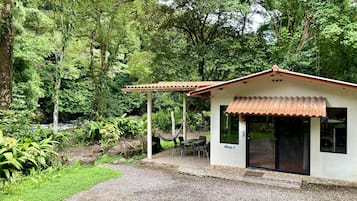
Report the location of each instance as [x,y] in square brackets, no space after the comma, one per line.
[75,56]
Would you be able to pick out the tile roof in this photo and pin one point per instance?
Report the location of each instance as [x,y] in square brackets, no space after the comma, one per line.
[169,86]
[271,72]
[279,106]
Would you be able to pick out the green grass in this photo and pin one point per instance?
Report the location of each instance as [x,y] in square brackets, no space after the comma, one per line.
[108,159]
[166,144]
[58,184]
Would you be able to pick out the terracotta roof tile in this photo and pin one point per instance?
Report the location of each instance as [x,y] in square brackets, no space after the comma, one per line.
[279,106]
[169,86]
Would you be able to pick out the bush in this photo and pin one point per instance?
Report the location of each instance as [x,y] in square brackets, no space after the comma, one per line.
[108,131]
[199,121]
[17,158]
[17,124]
[195,120]
[162,119]
[131,126]
[109,136]
[88,132]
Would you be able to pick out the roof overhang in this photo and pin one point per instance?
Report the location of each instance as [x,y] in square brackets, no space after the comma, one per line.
[275,70]
[170,86]
[279,106]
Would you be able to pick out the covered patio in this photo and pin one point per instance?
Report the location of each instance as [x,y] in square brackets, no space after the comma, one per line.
[165,158]
[181,87]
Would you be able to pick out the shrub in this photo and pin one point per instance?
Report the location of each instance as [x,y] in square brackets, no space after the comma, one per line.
[198,121]
[105,132]
[162,119]
[195,120]
[88,132]
[131,126]
[109,136]
[17,123]
[18,158]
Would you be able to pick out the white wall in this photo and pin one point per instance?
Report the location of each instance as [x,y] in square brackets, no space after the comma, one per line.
[223,153]
[322,164]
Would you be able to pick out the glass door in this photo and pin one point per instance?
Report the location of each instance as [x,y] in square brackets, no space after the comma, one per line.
[279,143]
[261,142]
[293,144]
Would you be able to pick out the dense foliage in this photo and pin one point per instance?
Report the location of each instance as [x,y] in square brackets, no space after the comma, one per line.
[67,60]
[87,51]
[18,158]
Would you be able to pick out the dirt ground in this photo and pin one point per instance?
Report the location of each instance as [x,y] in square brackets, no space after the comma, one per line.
[88,154]
[144,183]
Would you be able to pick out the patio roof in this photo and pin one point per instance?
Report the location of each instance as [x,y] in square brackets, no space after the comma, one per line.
[279,106]
[170,86]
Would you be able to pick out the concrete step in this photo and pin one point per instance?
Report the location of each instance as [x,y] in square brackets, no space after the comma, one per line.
[257,178]
[274,181]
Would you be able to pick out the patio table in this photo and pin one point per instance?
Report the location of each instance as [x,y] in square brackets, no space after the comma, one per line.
[188,141]
[192,145]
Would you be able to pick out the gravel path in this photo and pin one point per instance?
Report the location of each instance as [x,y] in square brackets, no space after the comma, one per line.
[145,183]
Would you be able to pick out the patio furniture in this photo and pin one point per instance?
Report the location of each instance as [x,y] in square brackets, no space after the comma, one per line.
[204,138]
[156,145]
[204,149]
[191,145]
[178,146]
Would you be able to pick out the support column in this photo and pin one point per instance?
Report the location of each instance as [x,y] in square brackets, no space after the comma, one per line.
[149,126]
[184,116]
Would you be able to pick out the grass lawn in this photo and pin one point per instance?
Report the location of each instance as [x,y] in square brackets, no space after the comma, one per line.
[166,144]
[58,184]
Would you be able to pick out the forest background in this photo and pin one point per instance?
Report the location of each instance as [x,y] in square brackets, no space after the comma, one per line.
[69,59]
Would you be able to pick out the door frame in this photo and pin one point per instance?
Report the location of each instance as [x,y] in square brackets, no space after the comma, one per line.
[276,151]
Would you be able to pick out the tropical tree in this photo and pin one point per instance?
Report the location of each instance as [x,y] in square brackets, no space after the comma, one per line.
[315,37]
[6,53]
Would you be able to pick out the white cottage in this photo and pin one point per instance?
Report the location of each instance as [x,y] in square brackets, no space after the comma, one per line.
[285,121]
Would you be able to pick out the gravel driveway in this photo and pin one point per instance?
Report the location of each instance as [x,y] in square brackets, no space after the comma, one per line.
[145,183]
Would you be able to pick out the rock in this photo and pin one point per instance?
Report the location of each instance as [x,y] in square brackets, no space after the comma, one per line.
[122,161]
[117,149]
[89,160]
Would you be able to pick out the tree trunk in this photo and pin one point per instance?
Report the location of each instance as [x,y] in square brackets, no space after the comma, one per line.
[55,105]
[102,82]
[59,69]
[57,89]
[6,47]
[94,75]
[306,34]
[201,69]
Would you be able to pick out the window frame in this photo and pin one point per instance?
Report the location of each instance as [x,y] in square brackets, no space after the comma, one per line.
[324,127]
[223,108]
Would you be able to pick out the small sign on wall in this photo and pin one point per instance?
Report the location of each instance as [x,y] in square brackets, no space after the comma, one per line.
[227,146]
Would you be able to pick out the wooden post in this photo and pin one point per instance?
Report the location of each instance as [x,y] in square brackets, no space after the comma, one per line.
[184,116]
[149,126]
